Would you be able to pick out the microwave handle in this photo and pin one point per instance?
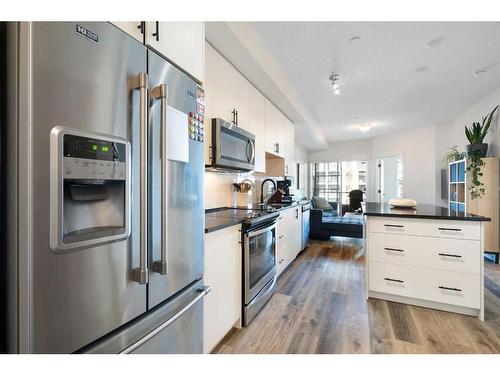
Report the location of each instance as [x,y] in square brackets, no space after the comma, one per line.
[252,149]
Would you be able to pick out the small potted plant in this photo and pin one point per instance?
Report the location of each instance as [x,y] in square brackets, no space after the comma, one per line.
[476,133]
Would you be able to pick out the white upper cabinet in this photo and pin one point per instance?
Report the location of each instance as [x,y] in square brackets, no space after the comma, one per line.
[230,96]
[256,125]
[290,169]
[227,88]
[183,43]
[275,130]
[133,28]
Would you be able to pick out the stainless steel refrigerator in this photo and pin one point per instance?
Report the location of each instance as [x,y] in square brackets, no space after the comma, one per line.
[104,180]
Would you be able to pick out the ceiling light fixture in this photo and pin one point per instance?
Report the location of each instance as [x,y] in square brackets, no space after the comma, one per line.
[477,73]
[435,42]
[335,86]
[365,127]
[420,69]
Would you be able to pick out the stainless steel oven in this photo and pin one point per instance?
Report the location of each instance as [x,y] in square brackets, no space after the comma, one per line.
[232,147]
[259,265]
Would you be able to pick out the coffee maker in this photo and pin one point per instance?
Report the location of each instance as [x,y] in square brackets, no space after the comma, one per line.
[284,186]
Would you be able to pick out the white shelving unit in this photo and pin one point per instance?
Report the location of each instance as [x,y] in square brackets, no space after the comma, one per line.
[457,186]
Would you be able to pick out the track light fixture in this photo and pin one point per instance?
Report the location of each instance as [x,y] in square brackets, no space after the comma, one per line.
[334,81]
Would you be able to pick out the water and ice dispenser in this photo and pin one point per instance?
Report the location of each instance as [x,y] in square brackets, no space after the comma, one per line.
[90,189]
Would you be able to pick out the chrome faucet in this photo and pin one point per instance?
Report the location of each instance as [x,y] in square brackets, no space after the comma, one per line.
[262,188]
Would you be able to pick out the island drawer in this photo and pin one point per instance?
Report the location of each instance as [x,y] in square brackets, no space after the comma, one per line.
[452,288]
[430,252]
[470,230]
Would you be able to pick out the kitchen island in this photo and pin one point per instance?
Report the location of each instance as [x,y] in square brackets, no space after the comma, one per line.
[427,256]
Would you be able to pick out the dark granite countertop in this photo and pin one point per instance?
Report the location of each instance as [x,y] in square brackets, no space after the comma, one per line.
[224,217]
[422,211]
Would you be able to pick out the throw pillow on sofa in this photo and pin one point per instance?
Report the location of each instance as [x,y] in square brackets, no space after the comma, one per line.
[321,203]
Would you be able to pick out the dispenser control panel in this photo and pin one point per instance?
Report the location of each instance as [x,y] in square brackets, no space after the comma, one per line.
[93,158]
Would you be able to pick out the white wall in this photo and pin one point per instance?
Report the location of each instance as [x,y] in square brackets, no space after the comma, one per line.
[422,148]
[418,148]
[347,150]
[453,133]
[416,145]
[301,158]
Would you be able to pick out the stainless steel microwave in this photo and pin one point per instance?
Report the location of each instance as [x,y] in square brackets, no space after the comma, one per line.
[232,147]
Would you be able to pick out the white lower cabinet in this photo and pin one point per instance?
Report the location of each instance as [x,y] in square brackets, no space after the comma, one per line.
[223,272]
[288,237]
[453,288]
[429,252]
[433,263]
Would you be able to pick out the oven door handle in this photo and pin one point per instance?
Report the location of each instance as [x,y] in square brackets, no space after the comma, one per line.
[260,231]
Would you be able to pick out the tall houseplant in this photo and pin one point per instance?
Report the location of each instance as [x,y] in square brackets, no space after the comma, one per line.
[476,133]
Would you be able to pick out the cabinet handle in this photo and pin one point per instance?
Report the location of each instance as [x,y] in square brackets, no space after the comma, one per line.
[141,27]
[392,249]
[157,33]
[451,229]
[453,289]
[393,226]
[237,118]
[450,255]
[395,280]
[297,214]
[277,144]
[234,119]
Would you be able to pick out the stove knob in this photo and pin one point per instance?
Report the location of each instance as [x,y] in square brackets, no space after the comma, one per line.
[191,114]
[192,136]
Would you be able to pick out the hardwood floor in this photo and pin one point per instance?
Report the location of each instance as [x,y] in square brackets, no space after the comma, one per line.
[320,307]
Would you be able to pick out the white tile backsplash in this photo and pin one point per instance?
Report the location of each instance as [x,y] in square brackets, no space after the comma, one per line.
[220,192]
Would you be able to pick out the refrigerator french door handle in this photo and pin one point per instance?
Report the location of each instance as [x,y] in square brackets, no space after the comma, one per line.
[161,92]
[203,292]
[140,82]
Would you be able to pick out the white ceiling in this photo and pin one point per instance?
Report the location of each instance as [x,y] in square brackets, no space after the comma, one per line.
[377,78]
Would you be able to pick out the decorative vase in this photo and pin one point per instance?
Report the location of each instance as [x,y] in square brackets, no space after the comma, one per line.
[481,147]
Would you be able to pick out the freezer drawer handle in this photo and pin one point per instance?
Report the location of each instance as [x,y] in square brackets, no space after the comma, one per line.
[140,82]
[451,229]
[161,92]
[160,328]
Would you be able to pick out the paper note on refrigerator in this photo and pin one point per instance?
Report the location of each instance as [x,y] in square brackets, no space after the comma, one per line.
[177,135]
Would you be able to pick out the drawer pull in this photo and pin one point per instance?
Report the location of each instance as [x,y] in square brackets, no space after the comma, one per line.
[450,255]
[451,229]
[392,249]
[453,289]
[395,280]
[393,226]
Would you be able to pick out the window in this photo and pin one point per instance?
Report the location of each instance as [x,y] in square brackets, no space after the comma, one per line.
[334,180]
